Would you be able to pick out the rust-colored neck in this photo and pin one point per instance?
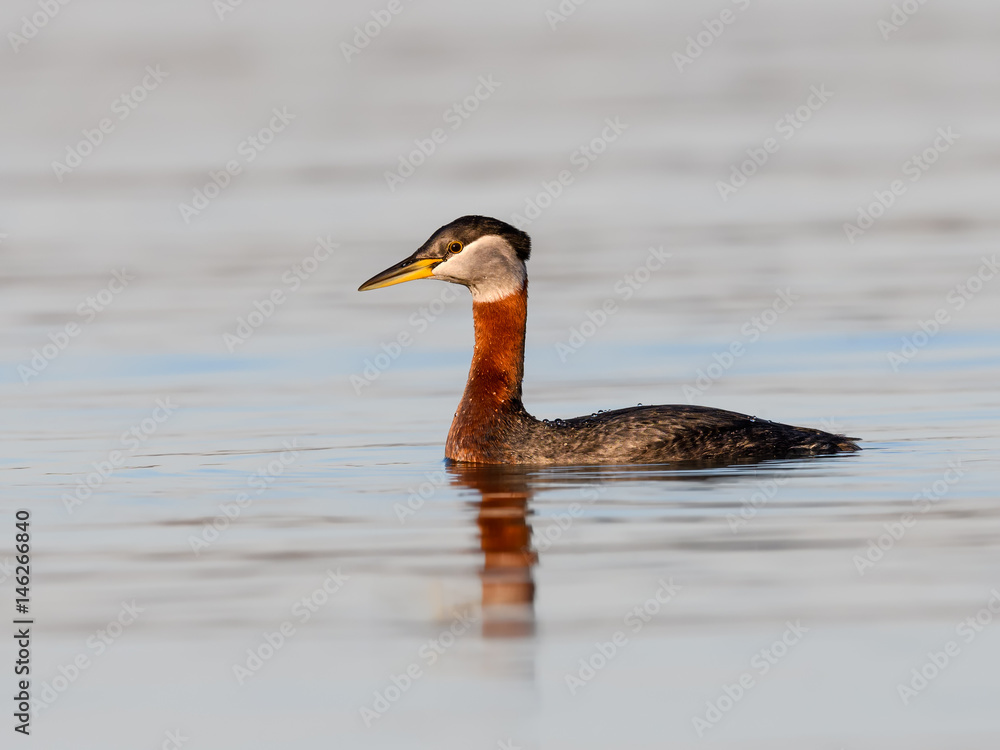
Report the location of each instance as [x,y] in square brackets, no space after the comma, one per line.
[493,390]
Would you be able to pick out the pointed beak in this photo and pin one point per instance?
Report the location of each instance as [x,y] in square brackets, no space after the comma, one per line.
[407,270]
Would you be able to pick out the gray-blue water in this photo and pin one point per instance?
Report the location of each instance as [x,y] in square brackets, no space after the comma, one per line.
[243,531]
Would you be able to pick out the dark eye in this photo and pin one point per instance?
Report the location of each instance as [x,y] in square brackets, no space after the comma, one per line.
[455,247]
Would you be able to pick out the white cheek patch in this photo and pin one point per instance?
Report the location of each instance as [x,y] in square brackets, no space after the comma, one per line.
[489,267]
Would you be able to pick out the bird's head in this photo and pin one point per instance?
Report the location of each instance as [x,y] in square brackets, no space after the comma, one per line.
[487,255]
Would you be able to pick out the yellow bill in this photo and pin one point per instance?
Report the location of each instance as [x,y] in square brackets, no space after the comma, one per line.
[407,270]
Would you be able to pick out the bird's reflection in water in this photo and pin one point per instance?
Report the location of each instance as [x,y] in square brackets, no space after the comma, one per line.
[508,586]
[508,601]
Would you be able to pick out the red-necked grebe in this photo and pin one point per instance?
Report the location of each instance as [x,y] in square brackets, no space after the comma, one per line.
[492,426]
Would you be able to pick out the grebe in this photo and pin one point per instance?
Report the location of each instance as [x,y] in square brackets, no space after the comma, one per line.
[492,426]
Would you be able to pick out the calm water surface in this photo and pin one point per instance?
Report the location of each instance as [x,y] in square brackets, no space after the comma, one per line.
[305,569]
